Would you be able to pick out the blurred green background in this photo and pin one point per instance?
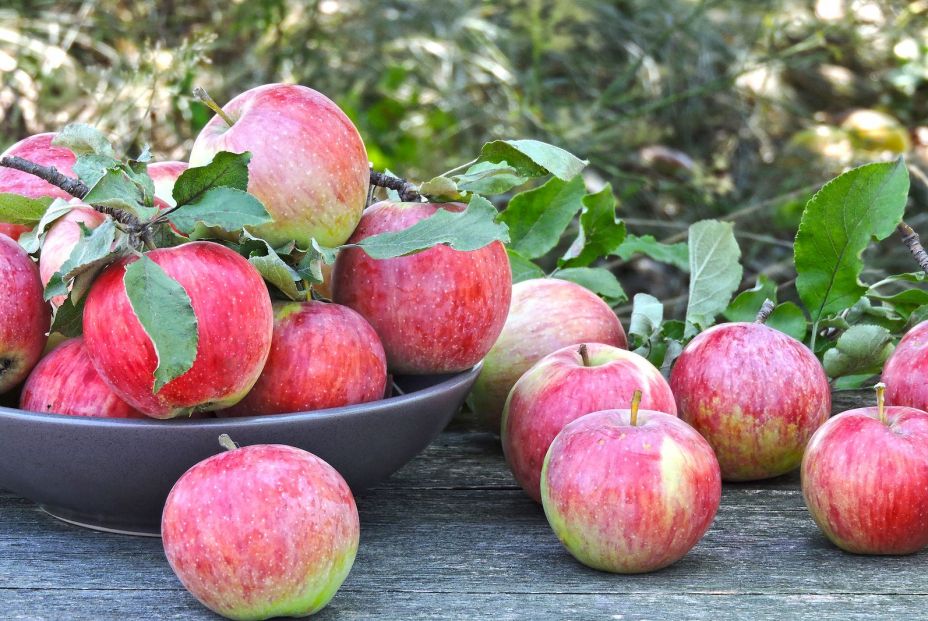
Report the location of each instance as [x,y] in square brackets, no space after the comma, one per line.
[691,109]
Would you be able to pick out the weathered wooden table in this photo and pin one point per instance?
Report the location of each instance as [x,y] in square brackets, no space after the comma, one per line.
[450,536]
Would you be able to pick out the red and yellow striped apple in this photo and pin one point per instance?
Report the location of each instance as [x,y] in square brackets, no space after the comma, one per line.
[906,372]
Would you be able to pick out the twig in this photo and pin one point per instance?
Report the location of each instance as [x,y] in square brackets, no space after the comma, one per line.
[406,190]
[764,313]
[911,240]
[74,187]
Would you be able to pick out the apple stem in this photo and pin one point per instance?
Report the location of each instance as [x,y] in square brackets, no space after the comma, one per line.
[913,243]
[407,191]
[200,93]
[881,401]
[636,402]
[584,355]
[226,442]
[765,309]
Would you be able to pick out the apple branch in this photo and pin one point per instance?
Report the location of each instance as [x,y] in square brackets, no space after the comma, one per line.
[74,187]
[765,309]
[406,190]
[913,243]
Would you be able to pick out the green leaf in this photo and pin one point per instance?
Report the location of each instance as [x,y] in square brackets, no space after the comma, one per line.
[92,251]
[836,227]
[68,318]
[522,268]
[647,316]
[489,178]
[715,272]
[917,316]
[904,301]
[226,170]
[861,350]
[309,267]
[672,254]
[789,319]
[222,208]
[470,229]
[532,158]
[166,314]
[537,218]
[601,233]
[16,209]
[91,167]
[32,240]
[118,190]
[328,254]
[599,280]
[164,236]
[83,139]
[440,188]
[746,304]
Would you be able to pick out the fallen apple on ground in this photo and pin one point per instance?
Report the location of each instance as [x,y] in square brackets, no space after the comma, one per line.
[630,491]
[25,315]
[261,531]
[65,382]
[756,394]
[309,166]
[436,311]
[865,479]
[234,323]
[564,386]
[906,371]
[323,355]
[545,315]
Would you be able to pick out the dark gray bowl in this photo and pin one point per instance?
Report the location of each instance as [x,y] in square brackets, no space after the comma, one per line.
[116,474]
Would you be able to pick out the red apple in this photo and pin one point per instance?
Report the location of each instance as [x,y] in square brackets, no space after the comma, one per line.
[564,386]
[60,240]
[756,394]
[436,311]
[38,149]
[322,356]
[906,371]
[261,531]
[164,175]
[65,382]
[630,491]
[546,314]
[234,324]
[309,166]
[24,314]
[865,479]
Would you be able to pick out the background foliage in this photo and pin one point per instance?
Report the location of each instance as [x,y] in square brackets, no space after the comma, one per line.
[689,109]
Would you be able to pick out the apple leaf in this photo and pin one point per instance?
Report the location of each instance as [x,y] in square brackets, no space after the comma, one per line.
[16,209]
[532,158]
[166,314]
[489,178]
[522,268]
[861,350]
[747,303]
[91,167]
[599,280]
[32,240]
[672,254]
[904,301]
[789,319]
[122,188]
[223,208]
[837,226]
[82,139]
[470,229]
[537,218]
[226,170]
[715,272]
[68,318]
[92,251]
[273,268]
[440,188]
[647,315]
[601,233]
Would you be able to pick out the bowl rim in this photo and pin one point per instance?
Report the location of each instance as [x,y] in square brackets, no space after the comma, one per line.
[370,407]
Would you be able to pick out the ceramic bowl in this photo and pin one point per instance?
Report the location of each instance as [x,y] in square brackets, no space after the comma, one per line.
[116,474]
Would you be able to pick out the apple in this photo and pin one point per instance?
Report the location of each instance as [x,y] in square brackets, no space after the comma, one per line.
[37,149]
[546,314]
[261,531]
[630,491]
[906,372]
[324,288]
[756,394]
[309,166]
[24,314]
[436,311]
[60,240]
[234,325]
[865,479]
[65,382]
[562,387]
[164,175]
[322,356]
